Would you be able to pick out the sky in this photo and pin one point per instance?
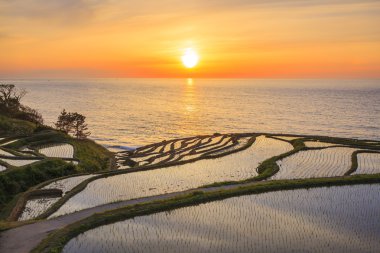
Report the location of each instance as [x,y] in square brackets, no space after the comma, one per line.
[233,38]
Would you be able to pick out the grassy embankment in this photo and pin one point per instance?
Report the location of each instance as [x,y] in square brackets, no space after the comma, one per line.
[10,127]
[83,184]
[57,239]
[265,170]
[16,180]
[269,167]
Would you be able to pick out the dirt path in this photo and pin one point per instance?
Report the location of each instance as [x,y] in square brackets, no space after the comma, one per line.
[23,239]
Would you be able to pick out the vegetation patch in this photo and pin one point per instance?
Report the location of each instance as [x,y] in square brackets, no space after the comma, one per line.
[28,195]
[15,127]
[186,149]
[326,162]
[92,158]
[57,239]
[266,170]
[15,181]
[354,160]
[240,165]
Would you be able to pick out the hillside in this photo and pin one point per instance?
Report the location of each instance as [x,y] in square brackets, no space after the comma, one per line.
[31,154]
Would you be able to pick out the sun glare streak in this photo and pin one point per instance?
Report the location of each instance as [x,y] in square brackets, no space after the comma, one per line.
[190,58]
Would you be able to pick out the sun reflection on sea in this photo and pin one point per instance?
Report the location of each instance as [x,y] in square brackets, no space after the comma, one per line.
[190,108]
[190,97]
[133,112]
[189,81]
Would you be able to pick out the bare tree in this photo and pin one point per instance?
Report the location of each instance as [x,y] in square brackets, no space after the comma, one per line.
[10,104]
[31,115]
[10,97]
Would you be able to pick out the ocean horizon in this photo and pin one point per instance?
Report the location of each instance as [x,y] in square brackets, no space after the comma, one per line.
[124,113]
[190,126]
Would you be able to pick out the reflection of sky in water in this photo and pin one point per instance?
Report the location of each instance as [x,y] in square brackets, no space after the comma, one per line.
[140,111]
[336,219]
[237,166]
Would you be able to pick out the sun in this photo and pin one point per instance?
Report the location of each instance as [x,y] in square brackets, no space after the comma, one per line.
[190,58]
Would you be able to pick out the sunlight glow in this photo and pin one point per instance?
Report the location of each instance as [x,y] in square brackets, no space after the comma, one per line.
[190,81]
[190,58]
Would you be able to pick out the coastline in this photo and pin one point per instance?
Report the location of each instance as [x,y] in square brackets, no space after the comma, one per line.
[95,163]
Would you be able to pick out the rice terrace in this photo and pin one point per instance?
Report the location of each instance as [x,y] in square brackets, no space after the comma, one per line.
[171,126]
[246,183]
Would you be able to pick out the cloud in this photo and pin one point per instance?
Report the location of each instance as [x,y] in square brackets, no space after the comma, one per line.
[49,35]
[281,3]
[63,11]
[67,10]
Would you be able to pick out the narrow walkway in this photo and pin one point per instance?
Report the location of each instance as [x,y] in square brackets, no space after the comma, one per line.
[23,239]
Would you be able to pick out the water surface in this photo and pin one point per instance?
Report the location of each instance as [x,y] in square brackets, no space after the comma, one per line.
[335,219]
[131,112]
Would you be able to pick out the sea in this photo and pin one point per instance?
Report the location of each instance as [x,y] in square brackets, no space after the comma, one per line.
[126,113]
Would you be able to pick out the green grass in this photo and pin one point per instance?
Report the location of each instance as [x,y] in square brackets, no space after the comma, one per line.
[83,184]
[57,239]
[80,187]
[266,169]
[15,180]
[20,203]
[354,160]
[94,158]
[5,225]
[10,126]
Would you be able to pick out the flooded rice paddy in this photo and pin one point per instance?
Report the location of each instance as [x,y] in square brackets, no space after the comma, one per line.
[327,162]
[5,153]
[368,163]
[237,166]
[24,156]
[60,150]
[36,207]
[20,162]
[318,144]
[335,219]
[180,150]
[67,184]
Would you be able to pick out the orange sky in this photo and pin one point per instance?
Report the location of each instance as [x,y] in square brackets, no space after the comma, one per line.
[240,38]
